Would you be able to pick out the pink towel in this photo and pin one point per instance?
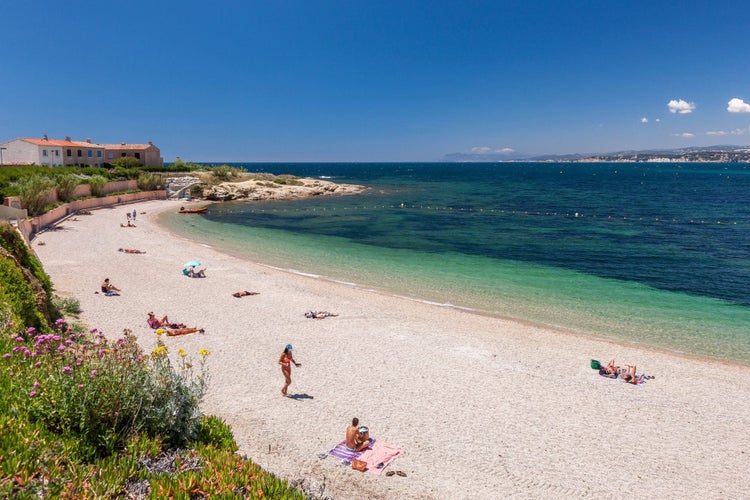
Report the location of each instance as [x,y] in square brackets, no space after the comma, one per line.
[380,453]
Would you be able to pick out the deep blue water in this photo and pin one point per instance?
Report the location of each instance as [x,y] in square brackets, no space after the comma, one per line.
[653,253]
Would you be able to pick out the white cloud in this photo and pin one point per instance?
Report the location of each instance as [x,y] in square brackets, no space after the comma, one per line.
[737,105]
[716,132]
[644,120]
[658,120]
[687,135]
[483,150]
[680,106]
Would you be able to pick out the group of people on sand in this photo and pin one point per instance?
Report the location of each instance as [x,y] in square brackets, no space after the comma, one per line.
[629,374]
[171,328]
[191,272]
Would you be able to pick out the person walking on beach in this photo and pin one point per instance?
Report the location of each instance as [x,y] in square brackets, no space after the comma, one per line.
[285,361]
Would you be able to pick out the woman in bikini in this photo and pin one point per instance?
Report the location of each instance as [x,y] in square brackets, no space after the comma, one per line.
[157,323]
[285,360]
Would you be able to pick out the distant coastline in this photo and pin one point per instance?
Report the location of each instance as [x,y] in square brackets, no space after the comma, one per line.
[709,154]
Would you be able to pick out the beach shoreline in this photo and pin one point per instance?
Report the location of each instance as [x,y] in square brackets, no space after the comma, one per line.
[483,406]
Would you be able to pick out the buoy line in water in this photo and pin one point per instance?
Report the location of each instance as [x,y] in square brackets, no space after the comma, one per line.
[497,211]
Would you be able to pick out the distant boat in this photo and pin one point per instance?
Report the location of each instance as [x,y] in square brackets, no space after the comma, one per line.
[184,210]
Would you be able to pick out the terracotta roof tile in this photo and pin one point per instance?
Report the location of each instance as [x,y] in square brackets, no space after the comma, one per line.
[126,146]
[55,142]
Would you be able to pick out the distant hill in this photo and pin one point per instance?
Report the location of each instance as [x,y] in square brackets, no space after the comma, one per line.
[719,154]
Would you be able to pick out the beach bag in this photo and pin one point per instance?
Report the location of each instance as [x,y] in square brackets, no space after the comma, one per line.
[595,365]
[359,465]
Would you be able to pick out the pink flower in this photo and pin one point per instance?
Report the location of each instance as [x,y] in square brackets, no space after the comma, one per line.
[19,339]
[61,348]
[30,330]
[36,385]
[56,338]
[32,394]
[66,369]
[6,355]
[38,364]
[60,321]
[80,386]
[93,373]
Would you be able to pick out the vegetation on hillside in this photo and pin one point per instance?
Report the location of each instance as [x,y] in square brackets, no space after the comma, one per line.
[85,416]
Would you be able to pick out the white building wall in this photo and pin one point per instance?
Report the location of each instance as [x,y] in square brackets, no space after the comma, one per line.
[19,152]
[54,156]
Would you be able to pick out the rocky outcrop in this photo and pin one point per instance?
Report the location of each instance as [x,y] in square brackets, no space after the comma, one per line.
[279,189]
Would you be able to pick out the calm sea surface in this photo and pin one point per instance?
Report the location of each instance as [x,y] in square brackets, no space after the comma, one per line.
[656,254]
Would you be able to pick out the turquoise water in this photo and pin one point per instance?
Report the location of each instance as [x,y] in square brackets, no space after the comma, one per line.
[653,254]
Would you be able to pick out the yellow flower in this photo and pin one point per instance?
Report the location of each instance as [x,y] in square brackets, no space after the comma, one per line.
[160,332]
[203,352]
[181,352]
[159,351]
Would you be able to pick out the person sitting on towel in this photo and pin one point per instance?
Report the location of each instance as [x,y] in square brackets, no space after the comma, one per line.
[357,438]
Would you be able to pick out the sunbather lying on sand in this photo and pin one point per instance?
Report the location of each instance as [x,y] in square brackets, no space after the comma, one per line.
[244,293]
[155,323]
[183,331]
[130,250]
[318,314]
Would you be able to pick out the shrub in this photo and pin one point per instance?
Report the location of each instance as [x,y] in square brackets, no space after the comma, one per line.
[215,432]
[66,185]
[126,162]
[104,392]
[70,306]
[34,192]
[97,184]
[148,181]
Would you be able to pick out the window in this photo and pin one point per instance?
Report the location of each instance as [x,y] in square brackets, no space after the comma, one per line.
[123,155]
[80,153]
[57,152]
[99,153]
[138,155]
[91,154]
[44,152]
[110,155]
[70,152]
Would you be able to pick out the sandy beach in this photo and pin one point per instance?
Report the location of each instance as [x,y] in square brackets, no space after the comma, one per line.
[483,407]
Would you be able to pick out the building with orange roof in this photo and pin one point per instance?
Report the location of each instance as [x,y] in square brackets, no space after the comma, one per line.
[146,154]
[54,152]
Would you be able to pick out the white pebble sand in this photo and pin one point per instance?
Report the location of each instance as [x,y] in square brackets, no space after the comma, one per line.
[484,407]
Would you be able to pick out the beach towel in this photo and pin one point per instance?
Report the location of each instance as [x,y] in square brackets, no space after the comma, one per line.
[379,455]
[342,452]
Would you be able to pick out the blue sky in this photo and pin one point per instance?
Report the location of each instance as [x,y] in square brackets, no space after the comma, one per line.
[351,80]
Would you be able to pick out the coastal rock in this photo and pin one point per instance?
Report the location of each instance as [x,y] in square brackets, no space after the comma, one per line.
[284,189]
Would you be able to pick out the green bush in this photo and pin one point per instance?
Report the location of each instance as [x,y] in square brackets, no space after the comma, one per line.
[70,306]
[97,184]
[215,432]
[126,162]
[34,192]
[66,185]
[104,392]
[148,181]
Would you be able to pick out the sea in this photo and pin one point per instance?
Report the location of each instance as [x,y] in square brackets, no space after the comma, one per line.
[654,254]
